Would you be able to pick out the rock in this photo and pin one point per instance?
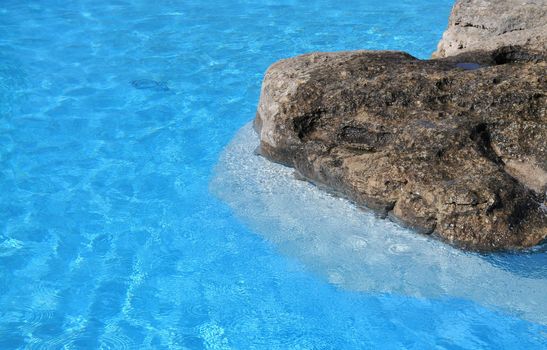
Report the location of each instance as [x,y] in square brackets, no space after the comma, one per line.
[488,25]
[456,147]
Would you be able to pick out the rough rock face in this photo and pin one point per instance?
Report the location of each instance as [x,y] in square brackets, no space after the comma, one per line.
[489,24]
[456,147]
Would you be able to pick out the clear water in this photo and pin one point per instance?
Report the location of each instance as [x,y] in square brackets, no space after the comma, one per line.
[113,115]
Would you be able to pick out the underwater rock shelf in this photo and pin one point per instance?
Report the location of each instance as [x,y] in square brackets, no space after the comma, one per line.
[455,147]
[356,251]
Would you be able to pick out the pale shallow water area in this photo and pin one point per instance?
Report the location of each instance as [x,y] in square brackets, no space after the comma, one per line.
[358,251]
[113,117]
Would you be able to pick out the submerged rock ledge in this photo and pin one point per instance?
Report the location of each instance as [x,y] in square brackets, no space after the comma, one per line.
[356,251]
[455,147]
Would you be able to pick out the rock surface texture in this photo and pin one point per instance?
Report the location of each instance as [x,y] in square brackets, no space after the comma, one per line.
[490,24]
[455,147]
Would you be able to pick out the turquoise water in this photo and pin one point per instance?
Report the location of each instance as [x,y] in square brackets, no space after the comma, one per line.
[113,115]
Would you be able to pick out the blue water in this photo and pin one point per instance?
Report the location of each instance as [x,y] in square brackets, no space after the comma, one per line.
[112,117]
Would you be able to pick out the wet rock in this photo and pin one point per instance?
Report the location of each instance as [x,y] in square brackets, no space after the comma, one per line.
[458,151]
[488,25]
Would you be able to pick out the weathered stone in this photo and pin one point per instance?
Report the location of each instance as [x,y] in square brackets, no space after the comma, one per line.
[456,147]
[488,25]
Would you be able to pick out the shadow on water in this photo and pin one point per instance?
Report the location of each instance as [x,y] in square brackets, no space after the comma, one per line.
[149,84]
[531,263]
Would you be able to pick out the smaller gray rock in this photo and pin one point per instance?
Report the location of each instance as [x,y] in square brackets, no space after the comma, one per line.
[488,25]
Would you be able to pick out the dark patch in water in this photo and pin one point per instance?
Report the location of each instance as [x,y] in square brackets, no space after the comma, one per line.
[530,263]
[468,65]
[149,84]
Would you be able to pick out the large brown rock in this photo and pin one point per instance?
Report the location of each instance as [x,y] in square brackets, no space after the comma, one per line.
[456,147]
[489,24]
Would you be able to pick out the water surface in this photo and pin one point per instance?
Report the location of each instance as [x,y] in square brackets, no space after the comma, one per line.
[112,117]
